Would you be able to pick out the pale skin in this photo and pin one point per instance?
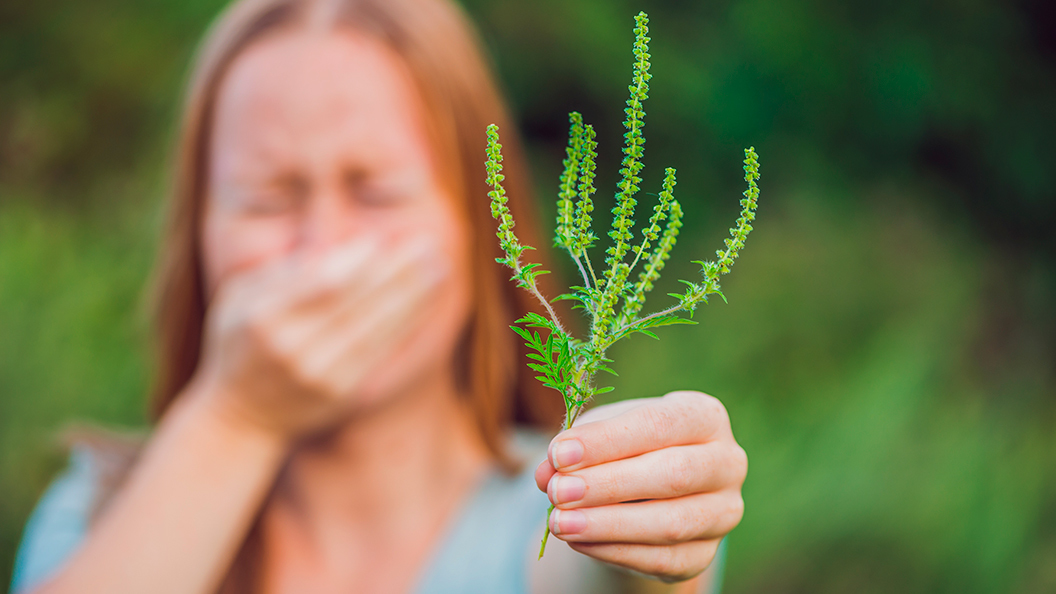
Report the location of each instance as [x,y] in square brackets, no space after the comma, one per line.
[337,272]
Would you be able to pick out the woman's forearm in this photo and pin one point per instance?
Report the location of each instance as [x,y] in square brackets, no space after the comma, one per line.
[182,514]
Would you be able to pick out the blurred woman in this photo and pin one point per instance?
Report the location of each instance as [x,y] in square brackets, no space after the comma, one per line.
[338,388]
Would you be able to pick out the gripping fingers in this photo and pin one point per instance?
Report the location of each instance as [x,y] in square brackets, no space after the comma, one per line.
[671,563]
[658,522]
[670,472]
[679,418]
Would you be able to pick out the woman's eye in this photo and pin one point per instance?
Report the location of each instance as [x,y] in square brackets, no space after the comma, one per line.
[371,189]
[276,198]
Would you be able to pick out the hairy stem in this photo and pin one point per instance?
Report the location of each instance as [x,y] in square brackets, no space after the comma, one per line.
[534,290]
[582,271]
[590,267]
[664,312]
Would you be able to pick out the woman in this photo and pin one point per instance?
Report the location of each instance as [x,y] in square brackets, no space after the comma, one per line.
[337,381]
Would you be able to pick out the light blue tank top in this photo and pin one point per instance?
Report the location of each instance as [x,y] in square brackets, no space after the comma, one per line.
[486,548]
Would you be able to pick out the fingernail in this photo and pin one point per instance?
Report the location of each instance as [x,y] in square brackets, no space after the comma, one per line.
[565,453]
[567,521]
[567,489]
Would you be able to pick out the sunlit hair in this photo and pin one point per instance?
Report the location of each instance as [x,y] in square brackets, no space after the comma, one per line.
[440,48]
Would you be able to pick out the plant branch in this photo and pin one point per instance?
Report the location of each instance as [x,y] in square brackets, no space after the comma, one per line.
[664,312]
[582,271]
[590,267]
[532,288]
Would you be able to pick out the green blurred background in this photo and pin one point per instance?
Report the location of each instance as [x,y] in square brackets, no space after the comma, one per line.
[888,353]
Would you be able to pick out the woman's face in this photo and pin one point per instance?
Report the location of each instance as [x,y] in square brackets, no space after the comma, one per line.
[318,139]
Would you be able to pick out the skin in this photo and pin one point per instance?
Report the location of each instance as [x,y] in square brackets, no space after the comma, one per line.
[336,266]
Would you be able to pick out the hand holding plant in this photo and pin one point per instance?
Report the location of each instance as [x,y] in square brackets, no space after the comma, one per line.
[614,299]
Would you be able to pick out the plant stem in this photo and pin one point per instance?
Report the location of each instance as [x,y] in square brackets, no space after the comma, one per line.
[582,271]
[550,310]
[570,419]
[546,535]
[590,267]
[641,248]
[663,312]
[534,290]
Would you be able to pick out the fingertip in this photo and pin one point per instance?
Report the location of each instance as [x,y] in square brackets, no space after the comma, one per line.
[567,522]
[565,452]
[543,473]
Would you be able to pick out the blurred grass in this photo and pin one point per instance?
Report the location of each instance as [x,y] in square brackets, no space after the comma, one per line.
[69,343]
[887,351]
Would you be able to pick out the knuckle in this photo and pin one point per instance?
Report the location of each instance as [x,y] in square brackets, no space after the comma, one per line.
[620,525]
[736,510]
[603,433]
[310,379]
[740,458]
[665,563]
[717,410]
[691,404]
[662,420]
[704,556]
[682,396]
[690,560]
[604,486]
[689,398]
[681,526]
[684,400]
[681,473]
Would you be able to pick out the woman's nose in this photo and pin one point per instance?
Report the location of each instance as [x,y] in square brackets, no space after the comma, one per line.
[328,219]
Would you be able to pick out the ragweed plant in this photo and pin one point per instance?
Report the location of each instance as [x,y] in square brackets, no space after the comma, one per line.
[613,300]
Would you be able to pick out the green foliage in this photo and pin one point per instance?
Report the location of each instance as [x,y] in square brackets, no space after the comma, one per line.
[568,365]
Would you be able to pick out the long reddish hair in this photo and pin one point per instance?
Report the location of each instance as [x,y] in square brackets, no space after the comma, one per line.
[441,50]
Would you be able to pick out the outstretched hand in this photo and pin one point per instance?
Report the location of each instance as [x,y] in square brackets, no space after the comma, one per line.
[652,485]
